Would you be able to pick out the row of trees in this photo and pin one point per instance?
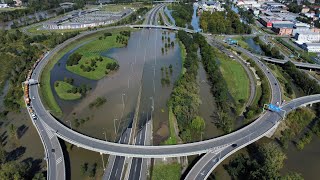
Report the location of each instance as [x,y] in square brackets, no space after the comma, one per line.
[219,87]
[223,23]
[185,99]
[17,57]
[300,78]
[268,49]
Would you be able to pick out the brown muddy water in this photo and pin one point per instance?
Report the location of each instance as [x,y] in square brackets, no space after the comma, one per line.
[140,67]
[207,108]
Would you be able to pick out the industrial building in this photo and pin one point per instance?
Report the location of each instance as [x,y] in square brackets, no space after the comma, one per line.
[311,47]
[307,37]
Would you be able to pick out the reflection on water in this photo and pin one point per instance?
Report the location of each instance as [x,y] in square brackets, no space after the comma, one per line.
[306,162]
[255,47]
[195,18]
[207,107]
[168,13]
[140,65]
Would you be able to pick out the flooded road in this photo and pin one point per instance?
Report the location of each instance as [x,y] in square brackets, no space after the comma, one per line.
[140,66]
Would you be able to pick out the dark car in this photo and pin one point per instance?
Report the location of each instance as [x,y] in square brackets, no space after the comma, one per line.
[234,145]
[52,150]
[275,83]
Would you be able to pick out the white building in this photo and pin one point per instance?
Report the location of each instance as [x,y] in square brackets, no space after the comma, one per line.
[211,6]
[248,4]
[4,6]
[307,37]
[311,47]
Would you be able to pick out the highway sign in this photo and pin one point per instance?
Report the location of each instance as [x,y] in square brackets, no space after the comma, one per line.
[274,108]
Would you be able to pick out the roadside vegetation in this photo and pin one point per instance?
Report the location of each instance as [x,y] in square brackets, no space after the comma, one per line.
[166,171]
[265,97]
[219,88]
[301,79]
[182,14]
[268,50]
[185,99]
[87,61]
[304,56]
[265,163]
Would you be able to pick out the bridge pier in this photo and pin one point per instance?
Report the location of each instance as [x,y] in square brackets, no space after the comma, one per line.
[271,133]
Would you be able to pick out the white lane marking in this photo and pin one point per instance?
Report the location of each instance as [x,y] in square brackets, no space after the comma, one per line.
[59,160]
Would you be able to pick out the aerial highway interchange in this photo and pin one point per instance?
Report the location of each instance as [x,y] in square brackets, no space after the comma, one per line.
[215,150]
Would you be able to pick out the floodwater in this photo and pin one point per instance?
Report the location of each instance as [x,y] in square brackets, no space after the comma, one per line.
[168,13]
[207,108]
[305,162]
[195,18]
[255,47]
[140,67]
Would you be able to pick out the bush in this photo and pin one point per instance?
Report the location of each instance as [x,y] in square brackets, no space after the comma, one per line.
[74,59]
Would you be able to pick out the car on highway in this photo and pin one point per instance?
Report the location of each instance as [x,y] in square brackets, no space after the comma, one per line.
[234,145]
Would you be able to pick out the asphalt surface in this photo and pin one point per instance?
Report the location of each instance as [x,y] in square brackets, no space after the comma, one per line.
[119,161]
[53,152]
[136,164]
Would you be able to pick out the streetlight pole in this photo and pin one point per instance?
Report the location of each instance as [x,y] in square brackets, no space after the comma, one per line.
[114,124]
[123,94]
[105,135]
[104,168]
[70,124]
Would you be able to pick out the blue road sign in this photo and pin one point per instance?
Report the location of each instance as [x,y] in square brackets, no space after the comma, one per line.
[274,108]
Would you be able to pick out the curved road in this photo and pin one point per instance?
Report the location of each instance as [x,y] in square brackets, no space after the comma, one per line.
[210,161]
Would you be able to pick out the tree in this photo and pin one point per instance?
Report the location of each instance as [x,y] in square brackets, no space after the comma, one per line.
[198,124]
[14,170]
[39,176]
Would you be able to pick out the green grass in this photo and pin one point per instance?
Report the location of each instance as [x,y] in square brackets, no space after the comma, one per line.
[166,172]
[62,89]
[93,50]
[183,53]
[45,88]
[172,139]
[235,76]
